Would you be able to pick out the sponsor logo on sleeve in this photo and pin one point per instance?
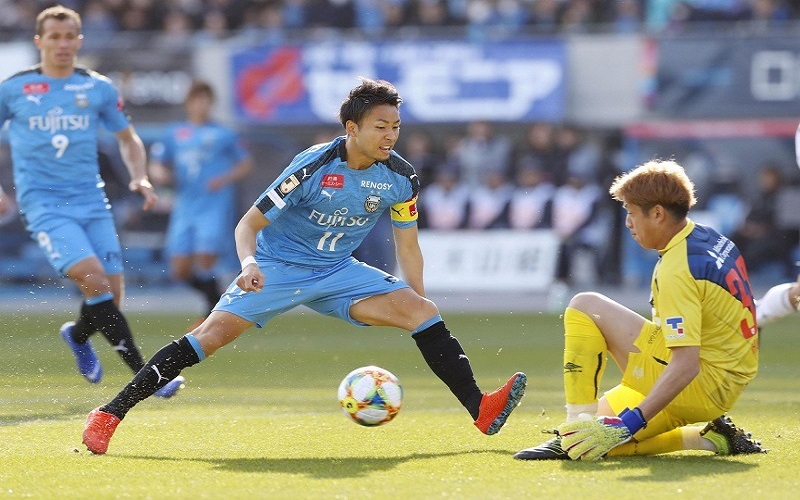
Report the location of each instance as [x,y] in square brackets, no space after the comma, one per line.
[675,324]
[276,199]
[289,184]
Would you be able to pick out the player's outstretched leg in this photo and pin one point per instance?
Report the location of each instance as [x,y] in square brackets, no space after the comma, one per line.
[498,405]
[163,369]
[88,363]
[446,358]
[729,439]
[100,426]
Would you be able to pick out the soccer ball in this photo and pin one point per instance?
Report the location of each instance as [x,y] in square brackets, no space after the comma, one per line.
[370,396]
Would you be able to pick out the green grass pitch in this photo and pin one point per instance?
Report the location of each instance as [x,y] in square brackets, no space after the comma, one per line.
[260,420]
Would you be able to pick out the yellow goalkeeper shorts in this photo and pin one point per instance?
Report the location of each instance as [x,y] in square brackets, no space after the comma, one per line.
[692,405]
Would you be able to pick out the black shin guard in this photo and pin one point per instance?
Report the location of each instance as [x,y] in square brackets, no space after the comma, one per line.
[446,358]
[84,327]
[114,327]
[164,366]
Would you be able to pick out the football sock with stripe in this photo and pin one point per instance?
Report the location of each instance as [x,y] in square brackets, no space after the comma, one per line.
[447,360]
[84,326]
[114,327]
[164,366]
[585,359]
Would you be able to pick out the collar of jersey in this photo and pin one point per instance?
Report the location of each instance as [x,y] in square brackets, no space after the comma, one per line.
[682,234]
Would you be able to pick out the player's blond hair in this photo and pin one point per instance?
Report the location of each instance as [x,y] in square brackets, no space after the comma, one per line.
[58,12]
[657,182]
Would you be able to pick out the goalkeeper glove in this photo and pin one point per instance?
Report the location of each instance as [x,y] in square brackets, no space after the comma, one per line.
[591,439]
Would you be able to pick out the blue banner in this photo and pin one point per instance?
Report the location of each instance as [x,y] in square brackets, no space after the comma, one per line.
[440,81]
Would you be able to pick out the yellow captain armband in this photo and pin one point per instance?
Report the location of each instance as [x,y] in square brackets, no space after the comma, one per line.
[405,211]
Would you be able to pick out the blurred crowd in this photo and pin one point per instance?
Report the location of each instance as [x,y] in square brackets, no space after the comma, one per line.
[556,177]
[552,178]
[274,20]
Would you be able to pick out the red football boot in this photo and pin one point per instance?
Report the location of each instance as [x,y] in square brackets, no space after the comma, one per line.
[100,426]
[498,405]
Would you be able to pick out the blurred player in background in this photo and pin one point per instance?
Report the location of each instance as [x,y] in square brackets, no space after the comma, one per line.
[689,364]
[55,109]
[781,300]
[295,248]
[204,160]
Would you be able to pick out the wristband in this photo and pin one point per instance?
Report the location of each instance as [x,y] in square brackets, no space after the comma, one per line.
[633,420]
[247,261]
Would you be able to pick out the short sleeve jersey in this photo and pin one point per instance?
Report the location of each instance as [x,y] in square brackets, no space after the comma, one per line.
[53,131]
[320,210]
[702,297]
[197,154]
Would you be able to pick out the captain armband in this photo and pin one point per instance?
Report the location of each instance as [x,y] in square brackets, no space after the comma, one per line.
[405,211]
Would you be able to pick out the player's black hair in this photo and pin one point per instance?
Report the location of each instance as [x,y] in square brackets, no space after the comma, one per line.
[366,96]
[59,13]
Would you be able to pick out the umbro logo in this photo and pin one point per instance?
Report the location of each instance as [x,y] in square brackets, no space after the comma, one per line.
[570,367]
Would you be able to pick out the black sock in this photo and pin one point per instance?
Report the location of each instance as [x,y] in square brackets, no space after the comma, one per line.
[208,287]
[446,358]
[84,326]
[164,366]
[114,327]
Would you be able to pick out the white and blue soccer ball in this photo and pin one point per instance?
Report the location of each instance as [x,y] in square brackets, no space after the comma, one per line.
[370,396]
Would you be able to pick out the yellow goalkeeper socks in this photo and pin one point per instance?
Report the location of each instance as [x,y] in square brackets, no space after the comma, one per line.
[585,356]
[663,443]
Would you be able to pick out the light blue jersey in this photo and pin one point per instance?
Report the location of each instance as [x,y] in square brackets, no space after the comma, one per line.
[53,134]
[201,220]
[320,210]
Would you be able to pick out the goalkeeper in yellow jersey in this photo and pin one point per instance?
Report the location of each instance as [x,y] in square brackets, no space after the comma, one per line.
[687,365]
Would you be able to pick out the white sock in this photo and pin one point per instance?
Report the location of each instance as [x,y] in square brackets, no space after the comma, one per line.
[775,304]
[573,411]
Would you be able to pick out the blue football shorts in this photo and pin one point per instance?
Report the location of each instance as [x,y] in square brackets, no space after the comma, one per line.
[199,233]
[329,291]
[66,241]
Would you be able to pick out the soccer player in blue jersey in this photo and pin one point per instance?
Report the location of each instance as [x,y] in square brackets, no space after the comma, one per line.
[688,364]
[55,109]
[294,245]
[204,160]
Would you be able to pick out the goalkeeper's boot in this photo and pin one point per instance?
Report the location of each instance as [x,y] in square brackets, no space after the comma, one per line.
[549,450]
[171,387]
[498,405]
[88,363]
[100,426]
[729,439]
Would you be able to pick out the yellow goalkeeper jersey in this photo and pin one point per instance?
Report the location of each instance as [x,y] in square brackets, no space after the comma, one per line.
[701,296]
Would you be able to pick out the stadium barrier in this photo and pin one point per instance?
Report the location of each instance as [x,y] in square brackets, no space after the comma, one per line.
[496,260]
